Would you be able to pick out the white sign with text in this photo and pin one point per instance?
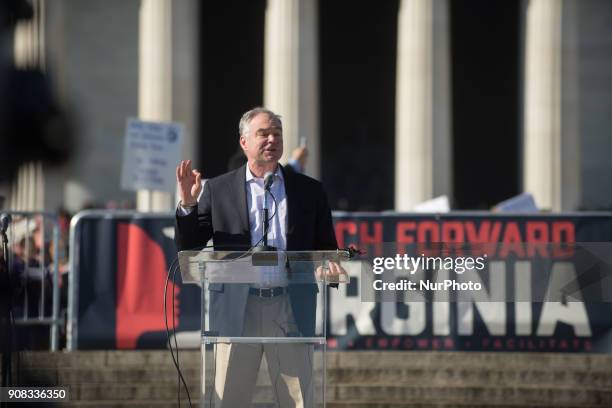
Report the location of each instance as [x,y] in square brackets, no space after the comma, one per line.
[150,156]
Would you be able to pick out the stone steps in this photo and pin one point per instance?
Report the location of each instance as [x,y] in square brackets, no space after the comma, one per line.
[109,375]
[373,393]
[354,379]
[392,359]
[535,394]
[471,377]
[356,359]
[405,376]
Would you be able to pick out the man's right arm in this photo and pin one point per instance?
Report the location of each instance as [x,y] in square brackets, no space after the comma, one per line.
[193,226]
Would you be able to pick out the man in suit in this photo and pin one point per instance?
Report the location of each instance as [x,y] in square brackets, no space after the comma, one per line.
[227,209]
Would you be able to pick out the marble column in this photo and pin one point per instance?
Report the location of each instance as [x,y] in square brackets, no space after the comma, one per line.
[27,191]
[542,104]
[155,82]
[290,74]
[422,124]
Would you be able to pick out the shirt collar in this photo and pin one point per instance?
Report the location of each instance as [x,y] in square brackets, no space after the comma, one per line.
[250,177]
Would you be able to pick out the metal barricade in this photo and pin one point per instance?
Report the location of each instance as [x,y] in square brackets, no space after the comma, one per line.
[92,313]
[34,253]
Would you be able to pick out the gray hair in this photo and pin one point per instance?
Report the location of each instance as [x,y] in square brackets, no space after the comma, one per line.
[245,120]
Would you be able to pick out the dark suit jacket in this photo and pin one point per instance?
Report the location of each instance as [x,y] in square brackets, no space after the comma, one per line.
[223,217]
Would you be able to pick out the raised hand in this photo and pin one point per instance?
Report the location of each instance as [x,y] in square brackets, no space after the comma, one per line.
[189,183]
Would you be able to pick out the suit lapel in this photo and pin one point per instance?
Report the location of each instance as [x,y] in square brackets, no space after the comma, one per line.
[241,199]
[291,207]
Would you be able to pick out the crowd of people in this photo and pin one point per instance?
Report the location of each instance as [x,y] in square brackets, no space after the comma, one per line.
[35,254]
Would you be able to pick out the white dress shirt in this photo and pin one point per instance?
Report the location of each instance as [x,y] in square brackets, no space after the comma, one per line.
[277,214]
[270,276]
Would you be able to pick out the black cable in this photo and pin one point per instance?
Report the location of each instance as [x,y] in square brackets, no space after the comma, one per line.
[275,205]
[178,360]
[7,377]
[176,365]
[172,265]
[172,270]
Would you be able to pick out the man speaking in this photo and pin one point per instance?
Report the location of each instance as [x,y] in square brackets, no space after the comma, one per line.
[228,210]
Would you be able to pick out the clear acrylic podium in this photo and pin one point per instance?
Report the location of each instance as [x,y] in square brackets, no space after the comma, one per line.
[267,343]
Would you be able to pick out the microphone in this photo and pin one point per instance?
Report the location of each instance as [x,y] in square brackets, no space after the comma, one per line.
[5,221]
[268,180]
